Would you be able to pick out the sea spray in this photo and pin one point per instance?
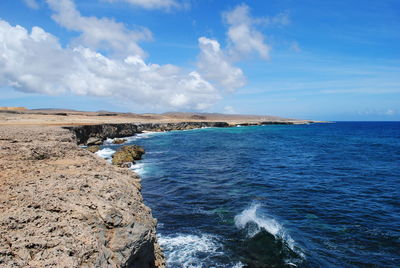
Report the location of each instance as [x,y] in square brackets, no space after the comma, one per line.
[249,215]
[138,168]
[106,153]
[192,250]
[268,235]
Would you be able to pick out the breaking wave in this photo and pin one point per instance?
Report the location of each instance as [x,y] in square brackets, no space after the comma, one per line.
[191,251]
[138,168]
[268,236]
[105,153]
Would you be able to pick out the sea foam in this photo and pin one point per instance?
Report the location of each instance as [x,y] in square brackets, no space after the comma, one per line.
[254,222]
[129,139]
[138,168]
[105,153]
[190,250]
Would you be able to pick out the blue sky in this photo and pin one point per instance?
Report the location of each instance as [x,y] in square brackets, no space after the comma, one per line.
[327,60]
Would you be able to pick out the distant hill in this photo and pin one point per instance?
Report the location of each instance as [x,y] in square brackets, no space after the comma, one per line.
[13,108]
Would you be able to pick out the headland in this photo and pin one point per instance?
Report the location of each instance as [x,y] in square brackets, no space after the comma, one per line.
[61,205]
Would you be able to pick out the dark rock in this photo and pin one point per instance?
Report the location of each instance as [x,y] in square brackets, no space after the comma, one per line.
[96,134]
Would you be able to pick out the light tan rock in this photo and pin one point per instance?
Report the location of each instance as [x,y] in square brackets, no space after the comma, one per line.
[62,206]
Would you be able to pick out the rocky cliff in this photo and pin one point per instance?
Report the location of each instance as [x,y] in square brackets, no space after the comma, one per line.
[94,134]
[62,206]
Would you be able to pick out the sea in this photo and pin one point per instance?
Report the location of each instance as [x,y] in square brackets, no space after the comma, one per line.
[317,195]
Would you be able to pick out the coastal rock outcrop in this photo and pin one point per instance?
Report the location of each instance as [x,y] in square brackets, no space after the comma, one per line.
[93,148]
[127,154]
[95,134]
[119,141]
[62,206]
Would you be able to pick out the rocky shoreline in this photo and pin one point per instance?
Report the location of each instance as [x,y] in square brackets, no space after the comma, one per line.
[96,134]
[61,205]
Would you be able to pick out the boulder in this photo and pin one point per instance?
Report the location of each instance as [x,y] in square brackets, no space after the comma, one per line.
[94,141]
[127,154]
[119,141]
[93,148]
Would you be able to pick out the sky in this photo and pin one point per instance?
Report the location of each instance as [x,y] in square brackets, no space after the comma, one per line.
[311,59]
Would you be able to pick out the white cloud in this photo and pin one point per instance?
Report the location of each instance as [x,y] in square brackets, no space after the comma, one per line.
[102,33]
[32,4]
[35,62]
[243,37]
[150,4]
[215,66]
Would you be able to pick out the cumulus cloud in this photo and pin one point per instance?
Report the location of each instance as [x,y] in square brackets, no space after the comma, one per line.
[99,33]
[215,66]
[32,4]
[243,36]
[150,4]
[36,62]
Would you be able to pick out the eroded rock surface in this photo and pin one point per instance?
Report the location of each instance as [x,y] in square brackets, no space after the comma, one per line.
[62,206]
[127,154]
[95,134]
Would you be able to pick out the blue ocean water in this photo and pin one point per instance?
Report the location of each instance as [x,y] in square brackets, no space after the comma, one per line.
[319,195]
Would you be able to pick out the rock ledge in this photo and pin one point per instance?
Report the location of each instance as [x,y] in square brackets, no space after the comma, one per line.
[62,206]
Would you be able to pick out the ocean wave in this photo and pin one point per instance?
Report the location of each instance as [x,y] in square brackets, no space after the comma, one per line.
[253,223]
[105,153]
[143,135]
[192,251]
[138,168]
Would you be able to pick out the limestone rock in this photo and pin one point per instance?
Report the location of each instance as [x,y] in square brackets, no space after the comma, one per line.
[93,148]
[94,141]
[119,141]
[127,154]
[61,206]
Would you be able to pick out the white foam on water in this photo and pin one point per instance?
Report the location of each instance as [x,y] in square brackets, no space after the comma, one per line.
[138,168]
[260,222]
[238,265]
[108,141]
[143,135]
[249,215]
[189,250]
[105,153]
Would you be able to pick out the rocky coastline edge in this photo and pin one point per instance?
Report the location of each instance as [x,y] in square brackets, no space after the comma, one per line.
[61,205]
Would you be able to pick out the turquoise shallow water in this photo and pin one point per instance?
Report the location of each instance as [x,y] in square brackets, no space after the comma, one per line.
[321,195]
